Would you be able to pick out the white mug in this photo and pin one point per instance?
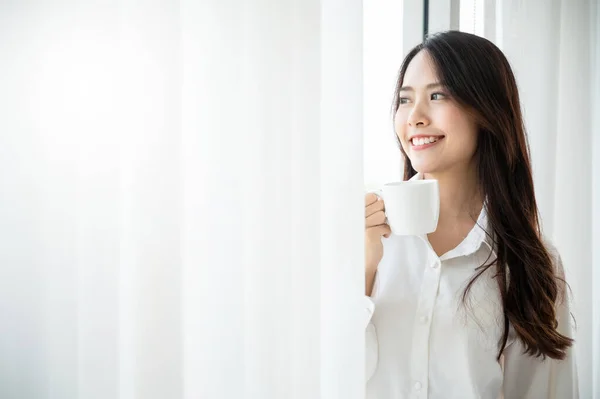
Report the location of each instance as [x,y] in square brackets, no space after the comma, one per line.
[412,207]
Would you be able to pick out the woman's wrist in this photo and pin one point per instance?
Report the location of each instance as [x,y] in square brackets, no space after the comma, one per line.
[369,280]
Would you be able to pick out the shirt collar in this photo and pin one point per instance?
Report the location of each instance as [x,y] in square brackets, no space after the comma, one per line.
[480,234]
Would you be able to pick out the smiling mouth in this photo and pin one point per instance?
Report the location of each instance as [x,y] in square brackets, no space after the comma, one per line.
[424,142]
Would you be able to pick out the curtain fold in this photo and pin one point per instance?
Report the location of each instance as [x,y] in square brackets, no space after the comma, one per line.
[595,183]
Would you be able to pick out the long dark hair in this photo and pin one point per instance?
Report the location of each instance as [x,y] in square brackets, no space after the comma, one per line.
[479,78]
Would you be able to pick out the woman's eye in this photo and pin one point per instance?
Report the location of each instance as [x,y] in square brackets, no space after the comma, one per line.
[438,96]
[403,100]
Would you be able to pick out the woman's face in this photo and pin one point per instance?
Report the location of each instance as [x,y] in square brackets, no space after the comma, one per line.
[435,132]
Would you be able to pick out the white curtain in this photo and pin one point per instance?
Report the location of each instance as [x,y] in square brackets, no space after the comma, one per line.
[551,46]
[181,206]
[595,87]
[384,31]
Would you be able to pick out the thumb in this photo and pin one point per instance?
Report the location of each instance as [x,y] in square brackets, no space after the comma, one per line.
[383,230]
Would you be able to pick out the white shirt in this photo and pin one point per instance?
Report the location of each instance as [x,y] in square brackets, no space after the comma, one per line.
[422,342]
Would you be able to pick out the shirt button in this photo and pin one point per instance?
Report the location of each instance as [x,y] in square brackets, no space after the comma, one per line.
[417,386]
[435,265]
[423,319]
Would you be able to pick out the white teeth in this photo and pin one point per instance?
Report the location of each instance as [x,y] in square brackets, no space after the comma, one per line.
[418,141]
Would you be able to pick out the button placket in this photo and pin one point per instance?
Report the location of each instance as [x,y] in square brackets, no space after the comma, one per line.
[422,329]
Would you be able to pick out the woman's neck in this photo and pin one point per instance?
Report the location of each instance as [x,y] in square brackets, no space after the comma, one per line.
[460,197]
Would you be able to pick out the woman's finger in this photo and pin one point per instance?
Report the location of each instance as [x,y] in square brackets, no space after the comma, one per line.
[375,219]
[381,230]
[374,207]
[370,198]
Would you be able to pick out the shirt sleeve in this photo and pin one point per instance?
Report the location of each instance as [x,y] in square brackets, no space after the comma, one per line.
[528,377]
[372,346]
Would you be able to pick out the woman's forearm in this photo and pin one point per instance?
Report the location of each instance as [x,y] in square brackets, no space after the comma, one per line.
[369,280]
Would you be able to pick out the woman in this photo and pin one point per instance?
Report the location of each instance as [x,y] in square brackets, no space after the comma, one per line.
[477,309]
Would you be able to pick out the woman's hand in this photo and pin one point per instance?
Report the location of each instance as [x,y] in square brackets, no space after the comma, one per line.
[375,228]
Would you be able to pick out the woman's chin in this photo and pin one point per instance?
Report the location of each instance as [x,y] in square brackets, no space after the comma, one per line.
[424,168]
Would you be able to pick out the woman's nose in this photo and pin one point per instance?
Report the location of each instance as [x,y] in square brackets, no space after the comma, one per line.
[417,117]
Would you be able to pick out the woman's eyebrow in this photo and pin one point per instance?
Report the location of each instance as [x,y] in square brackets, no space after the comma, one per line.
[429,86]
